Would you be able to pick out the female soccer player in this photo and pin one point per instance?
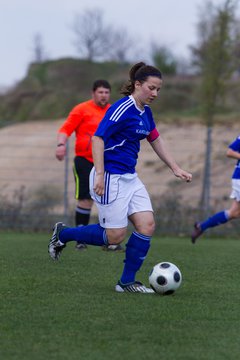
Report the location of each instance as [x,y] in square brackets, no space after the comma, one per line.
[115,187]
[234,212]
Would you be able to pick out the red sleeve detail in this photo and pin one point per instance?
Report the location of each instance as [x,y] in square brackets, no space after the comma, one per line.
[154,134]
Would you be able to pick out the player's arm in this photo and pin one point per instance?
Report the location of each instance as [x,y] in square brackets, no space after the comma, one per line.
[161,150]
[233,154]
[68,127]
[98,159]
[61,146]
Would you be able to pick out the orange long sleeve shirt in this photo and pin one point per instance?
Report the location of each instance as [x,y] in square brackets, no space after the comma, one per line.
[83,119]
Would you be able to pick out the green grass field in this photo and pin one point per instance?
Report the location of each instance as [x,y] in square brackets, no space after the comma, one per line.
[69,310]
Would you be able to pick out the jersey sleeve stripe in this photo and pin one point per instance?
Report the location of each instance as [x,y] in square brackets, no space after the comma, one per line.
[120,114]
[120,109]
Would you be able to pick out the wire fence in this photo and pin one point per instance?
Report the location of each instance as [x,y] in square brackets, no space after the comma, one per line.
[36,189]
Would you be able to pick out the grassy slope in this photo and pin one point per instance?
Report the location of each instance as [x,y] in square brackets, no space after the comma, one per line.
[68,310]
[50,89]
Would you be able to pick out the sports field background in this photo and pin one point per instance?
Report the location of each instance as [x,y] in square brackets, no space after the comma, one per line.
[69,310]
[34,199]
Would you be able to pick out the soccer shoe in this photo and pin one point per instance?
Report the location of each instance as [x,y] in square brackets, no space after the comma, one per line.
[196,232]
[116,248]
[55,247]
[135,287]
[81,246]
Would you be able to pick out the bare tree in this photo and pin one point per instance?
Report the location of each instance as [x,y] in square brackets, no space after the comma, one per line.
[236,48]
[213,58]
[92,35]
[38,49]
[122,45]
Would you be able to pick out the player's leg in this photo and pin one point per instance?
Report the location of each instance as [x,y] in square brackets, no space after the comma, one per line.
[136,251]
[109,208]
[82,217]
[141,216]
[111,216]
[83,212]
[234,211]
[138,245]
[221,217]
[217,219]
[93,234]
[81,170]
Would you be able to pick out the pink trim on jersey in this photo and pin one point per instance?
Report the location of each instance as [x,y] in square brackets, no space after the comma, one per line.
[154,134]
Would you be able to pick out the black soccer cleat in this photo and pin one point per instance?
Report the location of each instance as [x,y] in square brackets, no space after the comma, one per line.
[55,247]
[113,248]
[196,232]
[81,246]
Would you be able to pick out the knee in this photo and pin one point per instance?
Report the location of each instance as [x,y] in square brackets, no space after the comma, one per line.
[85,203]
[147,228]
[234,214]
[116,236]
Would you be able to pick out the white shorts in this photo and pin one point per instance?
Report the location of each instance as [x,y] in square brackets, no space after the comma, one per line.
[235,194]
[124,195]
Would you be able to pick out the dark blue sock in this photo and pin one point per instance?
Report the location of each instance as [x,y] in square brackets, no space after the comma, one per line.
[215,220]
[136,250]
[92,234]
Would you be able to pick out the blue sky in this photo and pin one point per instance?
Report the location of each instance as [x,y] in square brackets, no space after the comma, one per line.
[171,23]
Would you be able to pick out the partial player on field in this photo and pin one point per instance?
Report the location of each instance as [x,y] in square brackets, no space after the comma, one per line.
[233,212]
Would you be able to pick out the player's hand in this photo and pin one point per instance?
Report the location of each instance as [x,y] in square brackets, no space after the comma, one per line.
[60,152]
[98,186]
[184,175]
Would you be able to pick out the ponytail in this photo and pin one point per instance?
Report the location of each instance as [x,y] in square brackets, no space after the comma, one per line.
[139,72]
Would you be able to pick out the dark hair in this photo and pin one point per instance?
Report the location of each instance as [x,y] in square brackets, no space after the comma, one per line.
[139,72]
[101,83]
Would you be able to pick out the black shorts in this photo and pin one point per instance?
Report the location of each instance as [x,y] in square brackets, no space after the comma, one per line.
[81,170]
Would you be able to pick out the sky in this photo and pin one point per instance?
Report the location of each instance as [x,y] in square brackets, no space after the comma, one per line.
[171,23]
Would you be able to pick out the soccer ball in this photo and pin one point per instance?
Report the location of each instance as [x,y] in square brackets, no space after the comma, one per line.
[165,278]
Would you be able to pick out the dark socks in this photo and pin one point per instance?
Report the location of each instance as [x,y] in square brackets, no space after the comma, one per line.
[136,250]
[215,220]
[82,216]
[92,234]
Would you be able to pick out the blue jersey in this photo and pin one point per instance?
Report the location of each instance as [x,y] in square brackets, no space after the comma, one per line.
[235,146]
[121,129]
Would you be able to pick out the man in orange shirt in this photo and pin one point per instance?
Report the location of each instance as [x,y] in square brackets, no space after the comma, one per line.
[84,119]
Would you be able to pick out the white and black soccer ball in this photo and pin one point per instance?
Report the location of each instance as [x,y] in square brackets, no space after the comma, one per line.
[165,278]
